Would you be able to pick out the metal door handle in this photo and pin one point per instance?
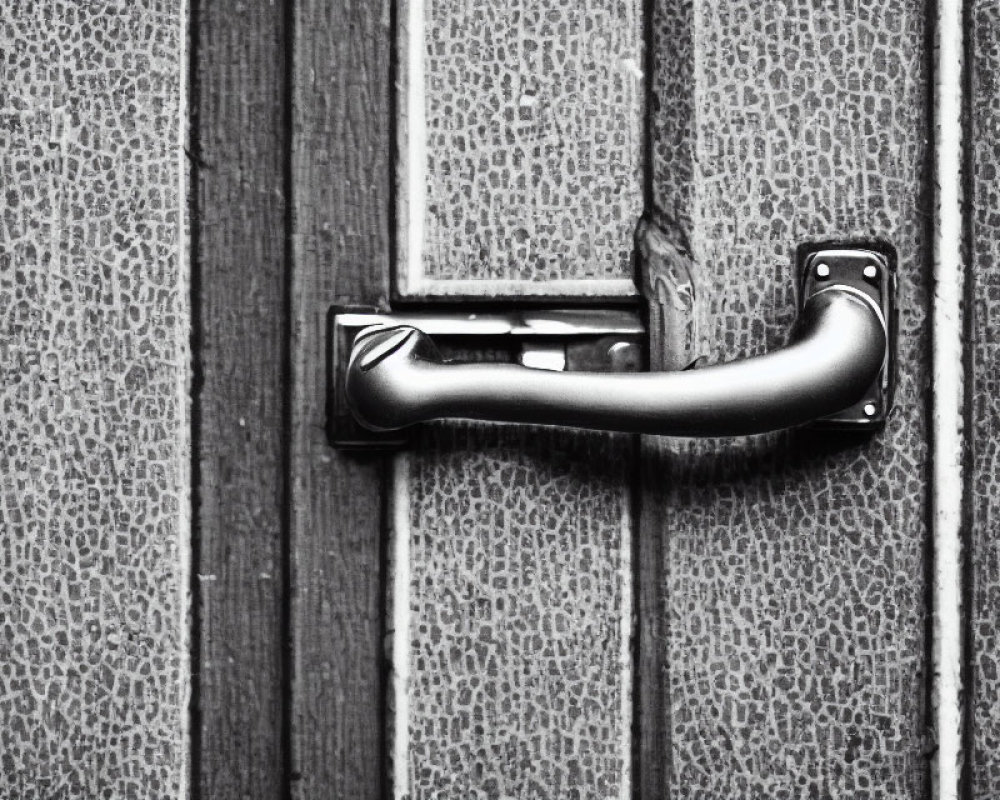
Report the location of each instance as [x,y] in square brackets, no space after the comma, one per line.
[836,359]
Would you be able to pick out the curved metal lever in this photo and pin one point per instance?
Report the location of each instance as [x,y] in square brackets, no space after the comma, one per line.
[397,378]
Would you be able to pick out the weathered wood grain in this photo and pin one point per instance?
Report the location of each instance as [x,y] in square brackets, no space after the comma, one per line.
[240,273]
[783,647]
[983,387]
[521,137]
[93,375]
[340,171]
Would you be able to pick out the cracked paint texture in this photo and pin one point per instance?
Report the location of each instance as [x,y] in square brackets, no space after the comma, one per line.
[524,126]
[530,141]
[517,662]
[984,388]
[93,356]
[793,574]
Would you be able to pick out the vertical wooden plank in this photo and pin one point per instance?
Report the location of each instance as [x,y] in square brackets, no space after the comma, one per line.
[983,292]
[521,143]
[340,171]
[94,445]
[784,650]
[521,138]
[240,296]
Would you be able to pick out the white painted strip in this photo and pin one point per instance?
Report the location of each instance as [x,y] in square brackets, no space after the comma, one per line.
[583,287]
[948,401]
[415,190]
[399,580]
[626,660]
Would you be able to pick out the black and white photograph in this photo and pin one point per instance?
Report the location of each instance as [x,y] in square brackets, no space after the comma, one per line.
[499,400]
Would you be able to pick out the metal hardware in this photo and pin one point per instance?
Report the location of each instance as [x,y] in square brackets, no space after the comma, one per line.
[871,272]
[836,370]
[593,340]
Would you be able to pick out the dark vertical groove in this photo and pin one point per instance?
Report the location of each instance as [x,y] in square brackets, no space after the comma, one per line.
[287,397]
[385,788]
[197,385]
[635,509]
[636,482]
[649,110]
[968,676]
[929,203]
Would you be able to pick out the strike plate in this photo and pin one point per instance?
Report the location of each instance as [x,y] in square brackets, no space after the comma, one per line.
[870,270]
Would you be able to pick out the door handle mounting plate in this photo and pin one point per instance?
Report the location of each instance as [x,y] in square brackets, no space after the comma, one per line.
[871,271]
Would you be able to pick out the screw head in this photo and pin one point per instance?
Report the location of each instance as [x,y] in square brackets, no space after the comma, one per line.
[381,343]
[870,409]
[822,270]
[871,272]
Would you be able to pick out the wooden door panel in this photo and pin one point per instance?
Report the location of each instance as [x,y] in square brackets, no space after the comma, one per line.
[520,175]
[339,184]
[783,613]
[983,597]
[782,640]
[521,147]
[769,664]
[241,270]
[93,454]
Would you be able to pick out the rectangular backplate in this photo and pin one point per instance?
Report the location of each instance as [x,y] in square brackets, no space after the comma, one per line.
[591,340]
[870,270]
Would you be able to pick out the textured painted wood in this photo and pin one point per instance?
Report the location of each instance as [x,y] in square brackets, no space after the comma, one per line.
[240,281]
[512,614]
[783,578]
[93,350]
[521,137]
[983,713]
[340,171]
[521,132]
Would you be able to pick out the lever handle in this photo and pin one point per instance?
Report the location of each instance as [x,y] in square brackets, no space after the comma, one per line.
[396,378]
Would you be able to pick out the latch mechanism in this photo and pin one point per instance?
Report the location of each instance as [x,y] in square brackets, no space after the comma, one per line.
[578,368]
[579,340]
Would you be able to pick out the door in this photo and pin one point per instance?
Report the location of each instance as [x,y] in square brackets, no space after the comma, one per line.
[522,612]
[572,614]
[202,597]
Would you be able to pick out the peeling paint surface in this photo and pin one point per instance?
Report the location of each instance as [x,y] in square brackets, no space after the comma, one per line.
[93,354]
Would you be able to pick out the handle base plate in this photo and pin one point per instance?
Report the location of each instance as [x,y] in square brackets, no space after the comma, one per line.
[870,270]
